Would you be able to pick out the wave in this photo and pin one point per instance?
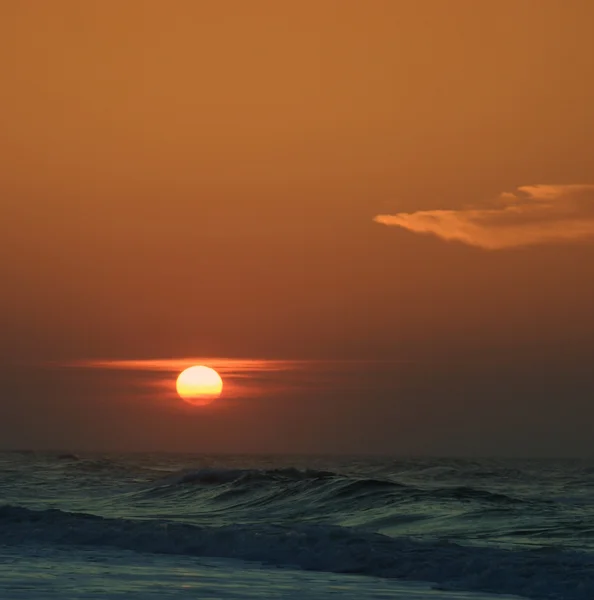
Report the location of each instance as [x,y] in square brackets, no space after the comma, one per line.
[221,476]
[327,483]
[286,494]
[540,574]
[466,493]
[100,465]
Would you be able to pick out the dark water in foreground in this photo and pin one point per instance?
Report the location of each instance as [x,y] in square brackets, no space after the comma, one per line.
[504,527]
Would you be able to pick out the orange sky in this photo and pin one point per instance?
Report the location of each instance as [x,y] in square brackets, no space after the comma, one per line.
[205,178]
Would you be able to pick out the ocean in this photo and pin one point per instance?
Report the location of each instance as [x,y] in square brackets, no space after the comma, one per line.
[158,526]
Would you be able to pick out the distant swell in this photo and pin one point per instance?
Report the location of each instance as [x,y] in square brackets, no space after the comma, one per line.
[540,574]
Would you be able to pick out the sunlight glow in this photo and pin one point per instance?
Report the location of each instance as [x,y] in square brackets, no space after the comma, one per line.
[199,385]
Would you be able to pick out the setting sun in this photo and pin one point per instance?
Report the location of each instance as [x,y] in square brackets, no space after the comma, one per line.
[199,385]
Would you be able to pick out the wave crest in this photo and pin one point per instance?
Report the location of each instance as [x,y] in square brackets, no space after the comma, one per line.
[214,476]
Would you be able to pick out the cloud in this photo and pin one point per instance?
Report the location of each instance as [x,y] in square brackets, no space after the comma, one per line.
[533,214]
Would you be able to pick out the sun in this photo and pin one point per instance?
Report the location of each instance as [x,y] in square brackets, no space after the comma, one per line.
[199,385]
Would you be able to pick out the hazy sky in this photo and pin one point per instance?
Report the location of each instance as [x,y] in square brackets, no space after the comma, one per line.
[410,182]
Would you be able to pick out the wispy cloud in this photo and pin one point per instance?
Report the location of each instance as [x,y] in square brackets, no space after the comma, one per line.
[243,377]
[533,214]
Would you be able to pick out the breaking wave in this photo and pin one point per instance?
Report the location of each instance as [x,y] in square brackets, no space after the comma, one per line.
[539,573]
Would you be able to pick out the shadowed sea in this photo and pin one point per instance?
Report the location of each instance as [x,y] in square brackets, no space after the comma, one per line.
[178,526]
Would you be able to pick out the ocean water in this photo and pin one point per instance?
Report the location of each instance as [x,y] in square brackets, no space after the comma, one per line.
[179,526]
